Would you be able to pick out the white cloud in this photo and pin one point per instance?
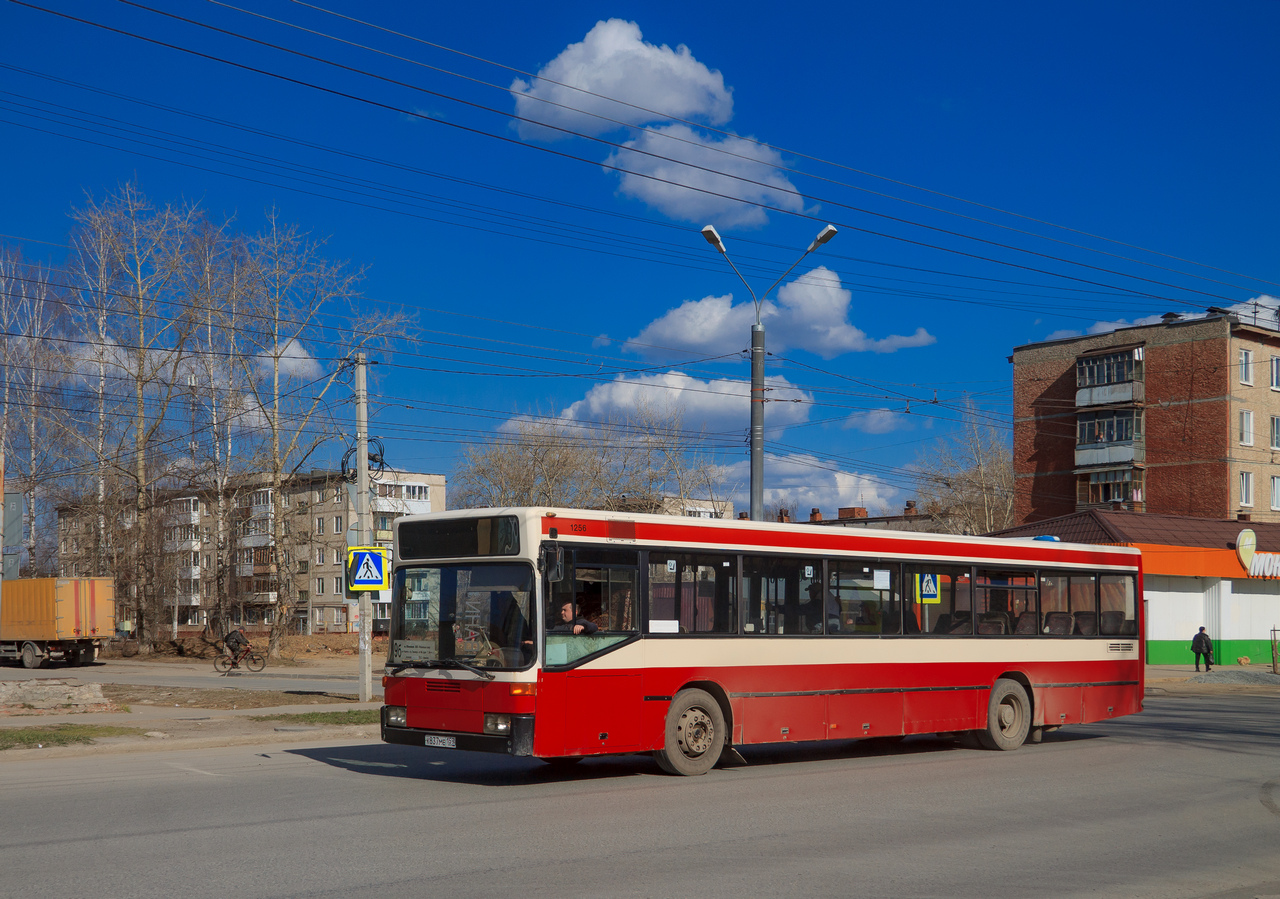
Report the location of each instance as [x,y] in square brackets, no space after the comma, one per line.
[1262,311]
[717,405]
[811,313]
[809,483]
[878,421]
[295,361]
[615,62]
[696,177]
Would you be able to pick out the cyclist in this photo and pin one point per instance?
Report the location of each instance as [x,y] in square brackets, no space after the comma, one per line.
[237,645]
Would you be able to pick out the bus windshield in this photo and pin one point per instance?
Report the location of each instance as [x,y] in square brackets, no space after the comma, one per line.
[473,614]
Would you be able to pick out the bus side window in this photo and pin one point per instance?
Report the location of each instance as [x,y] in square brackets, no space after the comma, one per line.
[1084,605]
[692,593]
[1006,601]
[782,595]
[861,598]
[1119,609]
[940,599]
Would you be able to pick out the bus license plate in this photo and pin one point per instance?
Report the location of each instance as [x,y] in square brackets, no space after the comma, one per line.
[444,742]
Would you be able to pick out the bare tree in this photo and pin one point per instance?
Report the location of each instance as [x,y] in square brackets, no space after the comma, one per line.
[965,482]
[633,461]
[296,287]
[135,261]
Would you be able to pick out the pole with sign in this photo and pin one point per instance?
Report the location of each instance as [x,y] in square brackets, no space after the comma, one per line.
[364,529]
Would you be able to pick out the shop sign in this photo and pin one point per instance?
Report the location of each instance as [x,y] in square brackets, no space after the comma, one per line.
[1256,563]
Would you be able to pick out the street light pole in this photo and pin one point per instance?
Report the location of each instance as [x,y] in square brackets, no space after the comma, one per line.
[757,362]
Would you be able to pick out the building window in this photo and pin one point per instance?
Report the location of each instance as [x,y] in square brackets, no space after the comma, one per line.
[1275,493]
[319,586]
[337,556]
[337,494]
[1275,372]
[337,524]
[319,525]
[1108,368]
[1111,426]
[337,586]
[1246,366]
[319,555]
[1275,432]
[1246,427]
[1246,488]
[1113,487]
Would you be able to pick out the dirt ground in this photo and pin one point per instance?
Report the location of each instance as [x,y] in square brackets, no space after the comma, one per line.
[217,697]
[293,649]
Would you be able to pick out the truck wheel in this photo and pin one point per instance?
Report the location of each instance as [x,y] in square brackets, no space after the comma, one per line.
[695,734]
[30,657]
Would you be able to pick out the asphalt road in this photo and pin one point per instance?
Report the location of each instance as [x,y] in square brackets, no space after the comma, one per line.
[1182,801]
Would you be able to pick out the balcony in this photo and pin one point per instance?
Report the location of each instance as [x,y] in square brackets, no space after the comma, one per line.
[1089,455]
[1110,394]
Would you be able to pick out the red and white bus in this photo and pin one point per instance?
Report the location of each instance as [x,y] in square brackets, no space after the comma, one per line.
[561,633]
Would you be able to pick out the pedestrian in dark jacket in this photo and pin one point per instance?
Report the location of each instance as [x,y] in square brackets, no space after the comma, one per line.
[1201,645]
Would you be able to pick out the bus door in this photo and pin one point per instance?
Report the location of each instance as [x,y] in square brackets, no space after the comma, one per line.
[601,703]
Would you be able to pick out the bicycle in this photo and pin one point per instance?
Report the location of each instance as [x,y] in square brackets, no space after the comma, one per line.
[254,661]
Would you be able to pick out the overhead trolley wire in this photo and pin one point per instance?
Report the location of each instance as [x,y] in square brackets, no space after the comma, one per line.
[547,150]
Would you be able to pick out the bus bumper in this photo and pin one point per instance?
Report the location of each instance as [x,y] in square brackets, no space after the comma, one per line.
[519,742]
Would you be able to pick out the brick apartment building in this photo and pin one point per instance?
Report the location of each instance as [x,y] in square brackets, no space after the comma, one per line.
[1178,418]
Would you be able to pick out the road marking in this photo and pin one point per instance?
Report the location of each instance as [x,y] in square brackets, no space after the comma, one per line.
[194,770]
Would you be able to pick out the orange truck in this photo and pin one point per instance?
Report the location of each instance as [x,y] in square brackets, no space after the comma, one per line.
[56,619]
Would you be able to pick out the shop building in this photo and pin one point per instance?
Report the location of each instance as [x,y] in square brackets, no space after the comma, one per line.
[1223,575]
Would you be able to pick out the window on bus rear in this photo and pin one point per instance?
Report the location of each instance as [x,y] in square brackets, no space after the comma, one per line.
[692,593]
[938,600]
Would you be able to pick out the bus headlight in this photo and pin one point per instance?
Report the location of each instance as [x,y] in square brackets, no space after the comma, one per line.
[397,716]
[497,724]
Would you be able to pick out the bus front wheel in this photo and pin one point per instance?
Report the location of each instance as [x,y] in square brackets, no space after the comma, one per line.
[695,734]
[1008,716]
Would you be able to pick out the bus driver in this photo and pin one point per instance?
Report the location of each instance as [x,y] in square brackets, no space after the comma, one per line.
[571,623]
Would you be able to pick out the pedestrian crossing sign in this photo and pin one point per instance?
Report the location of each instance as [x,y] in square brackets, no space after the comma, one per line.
[927,588]
[368,568]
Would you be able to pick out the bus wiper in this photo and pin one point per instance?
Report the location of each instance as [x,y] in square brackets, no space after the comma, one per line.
[400,666]
[476,669]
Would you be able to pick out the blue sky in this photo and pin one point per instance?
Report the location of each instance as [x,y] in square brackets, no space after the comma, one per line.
[544,281]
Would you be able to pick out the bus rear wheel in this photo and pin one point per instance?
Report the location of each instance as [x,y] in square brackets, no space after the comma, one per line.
[695,734]
[1008,717]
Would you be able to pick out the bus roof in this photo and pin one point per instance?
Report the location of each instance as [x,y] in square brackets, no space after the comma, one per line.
[622,528]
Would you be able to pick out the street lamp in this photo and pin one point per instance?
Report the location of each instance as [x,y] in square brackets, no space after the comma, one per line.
[757,363]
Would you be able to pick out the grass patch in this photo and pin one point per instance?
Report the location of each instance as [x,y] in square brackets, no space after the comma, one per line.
[349,716]
[60,735]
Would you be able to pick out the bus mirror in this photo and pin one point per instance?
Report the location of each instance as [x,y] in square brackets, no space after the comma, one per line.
[553,562]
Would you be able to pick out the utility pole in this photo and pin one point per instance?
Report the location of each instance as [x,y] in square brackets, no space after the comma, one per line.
[756,433]
[364,526]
